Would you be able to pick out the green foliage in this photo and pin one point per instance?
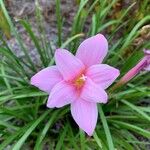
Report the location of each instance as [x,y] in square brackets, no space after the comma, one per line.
[4,26]
[24,119]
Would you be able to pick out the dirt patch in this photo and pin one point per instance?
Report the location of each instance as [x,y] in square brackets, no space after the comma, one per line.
[25,9]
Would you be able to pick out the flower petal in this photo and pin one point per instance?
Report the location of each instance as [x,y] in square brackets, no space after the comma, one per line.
[93,93]
[147,68]
[85,115]
[46,78]
[62,94]
[93,50]
[102,74]
[68,64]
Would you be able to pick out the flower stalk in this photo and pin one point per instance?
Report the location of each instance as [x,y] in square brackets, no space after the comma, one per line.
[143,64]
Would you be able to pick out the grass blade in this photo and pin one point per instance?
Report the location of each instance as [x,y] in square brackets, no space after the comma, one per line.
[143,115]
[44,131]
[18,145]
[13,30]
[59,22]
[106,128]
[61,139]
[28,28]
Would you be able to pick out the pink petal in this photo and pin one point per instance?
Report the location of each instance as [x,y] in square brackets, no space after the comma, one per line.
[93,93]
[93,50]
[68,64]
[46,78]
[103,75]
[62,94]
[85,114]
[147,68]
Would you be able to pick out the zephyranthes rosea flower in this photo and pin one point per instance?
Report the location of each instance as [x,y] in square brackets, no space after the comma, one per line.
[143,64]
[79,80]
[147,57]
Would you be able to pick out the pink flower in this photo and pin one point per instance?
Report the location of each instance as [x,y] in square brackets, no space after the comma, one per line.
[147,56]
[144,64]
[79,80]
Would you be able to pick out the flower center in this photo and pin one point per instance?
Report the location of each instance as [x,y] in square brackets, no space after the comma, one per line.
[79,82]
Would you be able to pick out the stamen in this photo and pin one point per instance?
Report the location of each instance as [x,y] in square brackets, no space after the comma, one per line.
[79,82]
[83,77]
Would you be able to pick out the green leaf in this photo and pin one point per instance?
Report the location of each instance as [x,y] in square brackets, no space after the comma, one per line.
[45,130]
[106,129]
[132,127]
[35,40]
[143,114]
[59,22]
[61,138]
[4,25]
[17,36]
[18,145]
[82,139]
[98,141]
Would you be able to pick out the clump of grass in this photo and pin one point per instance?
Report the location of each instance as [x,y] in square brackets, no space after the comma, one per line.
[24,119]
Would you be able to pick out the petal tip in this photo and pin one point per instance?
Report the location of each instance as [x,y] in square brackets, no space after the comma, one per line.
[60,51]
[117,73]
[104,101]
[102,37]
[33,81]
[57,52]
[90,133]
[50,105]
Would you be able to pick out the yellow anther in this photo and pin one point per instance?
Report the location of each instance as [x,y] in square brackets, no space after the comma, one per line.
[79,82]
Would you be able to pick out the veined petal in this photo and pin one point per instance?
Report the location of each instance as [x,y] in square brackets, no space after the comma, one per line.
[61,95]
[68,64]
[46,78]
[102,74]
[93,50]
[85,115]
[93,93]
